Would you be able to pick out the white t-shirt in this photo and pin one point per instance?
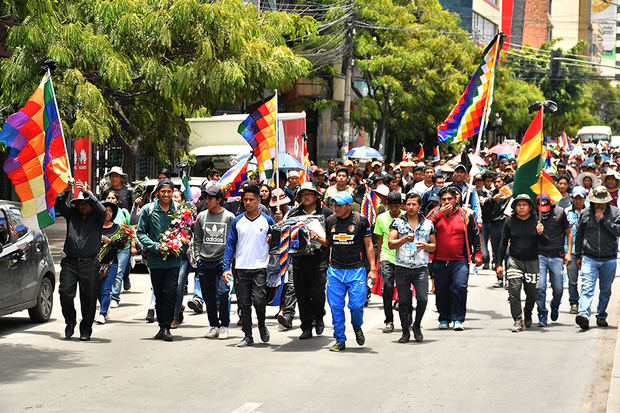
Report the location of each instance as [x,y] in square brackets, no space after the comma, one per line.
[247,242]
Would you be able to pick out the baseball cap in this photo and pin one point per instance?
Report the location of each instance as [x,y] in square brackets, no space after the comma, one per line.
[343,197]
[394,197]
[293,174]
[348,162]
[211,189]
[460,167]
[382,190]
[544,202]
[578,191]
[504,161]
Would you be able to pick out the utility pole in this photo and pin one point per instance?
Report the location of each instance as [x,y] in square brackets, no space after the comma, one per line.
[348,70]
[554,64]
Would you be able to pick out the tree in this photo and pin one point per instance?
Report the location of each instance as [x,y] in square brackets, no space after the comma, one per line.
[132,70]
[416,62]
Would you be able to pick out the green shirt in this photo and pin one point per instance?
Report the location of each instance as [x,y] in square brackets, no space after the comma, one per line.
[122,217]
[382,227]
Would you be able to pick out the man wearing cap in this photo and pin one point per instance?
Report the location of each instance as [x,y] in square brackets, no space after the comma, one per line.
[155,219]
[610,180]
[85,217]
[350,166]
[522,231]
[292,184]
[573,213]
[458,242]
[552,256]
[349,235]
[125,196]
[376,169]
[310,270]
[387,258]
[210,234]
[596,252]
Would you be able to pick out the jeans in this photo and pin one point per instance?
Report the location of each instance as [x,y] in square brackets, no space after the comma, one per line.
[387,273]
[123,259]
[404,278]
[252,291]
[105,288]
[310,291]
[451,278]
[209,273]
[86,274]
[198,289]
[591,269]
[485,234]
[164,281]
[573,289]
[185,268]
[341,282]
[522,273]
[496,238]
[555,268]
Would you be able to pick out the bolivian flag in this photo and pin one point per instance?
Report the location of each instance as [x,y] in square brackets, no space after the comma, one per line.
[529,176]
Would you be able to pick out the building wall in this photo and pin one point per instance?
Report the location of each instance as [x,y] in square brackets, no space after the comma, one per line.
[486,19]
[537,25]
[565,18]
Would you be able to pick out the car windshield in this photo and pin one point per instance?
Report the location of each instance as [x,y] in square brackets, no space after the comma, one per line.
[593,137]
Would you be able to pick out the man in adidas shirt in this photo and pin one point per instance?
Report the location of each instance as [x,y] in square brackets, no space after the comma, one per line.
[210,235]
[247,242]
[350,237]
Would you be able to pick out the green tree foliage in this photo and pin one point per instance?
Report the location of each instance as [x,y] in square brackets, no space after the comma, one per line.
[415,73]
[132,70]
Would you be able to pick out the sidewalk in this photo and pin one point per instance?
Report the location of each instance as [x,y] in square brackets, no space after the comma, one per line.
[613,399]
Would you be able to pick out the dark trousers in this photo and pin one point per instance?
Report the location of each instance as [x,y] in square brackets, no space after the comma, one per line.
[86,274]
[310,291]
[387,273]
[451,278]
[289,297]
[522,273]
[404,278]
[252,290]
[164,281]
[209,273]
[485,234]
[496,239]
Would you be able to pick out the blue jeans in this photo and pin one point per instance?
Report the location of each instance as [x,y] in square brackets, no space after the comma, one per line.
[185,267]
[197,290]
[339,283]
[555,268]
[485,235]
[123,258]
[210,273]
[573,276]
[105,288]
[451,278]
[591,269]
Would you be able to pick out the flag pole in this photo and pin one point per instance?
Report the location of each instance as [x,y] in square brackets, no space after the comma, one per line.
[276,166]
[542,146]
[49,76]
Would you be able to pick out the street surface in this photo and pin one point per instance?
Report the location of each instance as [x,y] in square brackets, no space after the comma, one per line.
[484,368]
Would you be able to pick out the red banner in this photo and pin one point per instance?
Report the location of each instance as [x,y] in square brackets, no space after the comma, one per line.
[293,141]
[81,161]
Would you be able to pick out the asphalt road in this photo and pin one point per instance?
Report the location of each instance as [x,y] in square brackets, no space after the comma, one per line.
[484,368]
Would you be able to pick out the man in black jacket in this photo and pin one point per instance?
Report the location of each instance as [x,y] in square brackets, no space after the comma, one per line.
[85,217]
[596,251]
[310,270]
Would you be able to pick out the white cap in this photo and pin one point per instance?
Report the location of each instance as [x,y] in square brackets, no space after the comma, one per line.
[293,173]
[382,190]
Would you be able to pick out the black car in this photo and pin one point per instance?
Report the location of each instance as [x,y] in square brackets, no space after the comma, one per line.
[27,275]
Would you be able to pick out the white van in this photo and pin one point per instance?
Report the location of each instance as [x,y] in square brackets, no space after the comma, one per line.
[594,134]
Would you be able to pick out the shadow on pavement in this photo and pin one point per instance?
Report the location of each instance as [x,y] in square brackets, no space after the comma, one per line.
[21,362]
[10,325]
[301,346]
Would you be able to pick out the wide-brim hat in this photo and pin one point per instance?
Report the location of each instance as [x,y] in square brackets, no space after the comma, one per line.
[76,201]
[600,195]
[278,197]
[521,197]
[611,172]
[584,175]
[112,206]
[306,186]
[116,170]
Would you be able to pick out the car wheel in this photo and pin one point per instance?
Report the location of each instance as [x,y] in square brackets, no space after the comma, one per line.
[42,311]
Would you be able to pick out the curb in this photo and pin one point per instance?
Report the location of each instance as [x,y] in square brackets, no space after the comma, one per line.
[613,398]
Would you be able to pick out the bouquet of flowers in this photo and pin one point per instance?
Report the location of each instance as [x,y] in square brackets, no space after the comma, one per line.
[121,237]
[178,234]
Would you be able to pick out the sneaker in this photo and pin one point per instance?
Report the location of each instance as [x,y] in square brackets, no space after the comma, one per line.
[518,326]
[601,322]
[100,319]
[285,321]
[150,316]
[213,332]
[114,304]
[555,313]
[498,284]
[444,325]
[389,327]
[338,346]
[195,306]
[404,338]
[247,341]
[359,337]
[223,333]
[542,321]
[264,334]
[458,326]
[417,333]
[582,322]
[574,309]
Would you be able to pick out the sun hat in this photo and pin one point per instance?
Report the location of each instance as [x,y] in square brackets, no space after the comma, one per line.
[306,186]
[278,197]
[600,195]
[116,170]
[522,197]
[113,207]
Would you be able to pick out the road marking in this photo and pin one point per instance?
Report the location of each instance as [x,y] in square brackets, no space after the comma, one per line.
[247,408]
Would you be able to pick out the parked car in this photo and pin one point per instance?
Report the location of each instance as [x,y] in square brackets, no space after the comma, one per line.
[27,275]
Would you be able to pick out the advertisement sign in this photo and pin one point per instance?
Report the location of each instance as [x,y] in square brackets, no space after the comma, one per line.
[81,161]
[604,14]
[290,130]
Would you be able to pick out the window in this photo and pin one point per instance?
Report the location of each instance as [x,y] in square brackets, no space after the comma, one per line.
[483,29]
[5,235]
[16,218]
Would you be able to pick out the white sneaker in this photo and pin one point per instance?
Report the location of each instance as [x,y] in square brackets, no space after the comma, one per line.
[114,304]
[223,335]
[100,319]
[213,332]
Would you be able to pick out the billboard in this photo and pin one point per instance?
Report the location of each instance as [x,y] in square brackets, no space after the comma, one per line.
[604,14]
